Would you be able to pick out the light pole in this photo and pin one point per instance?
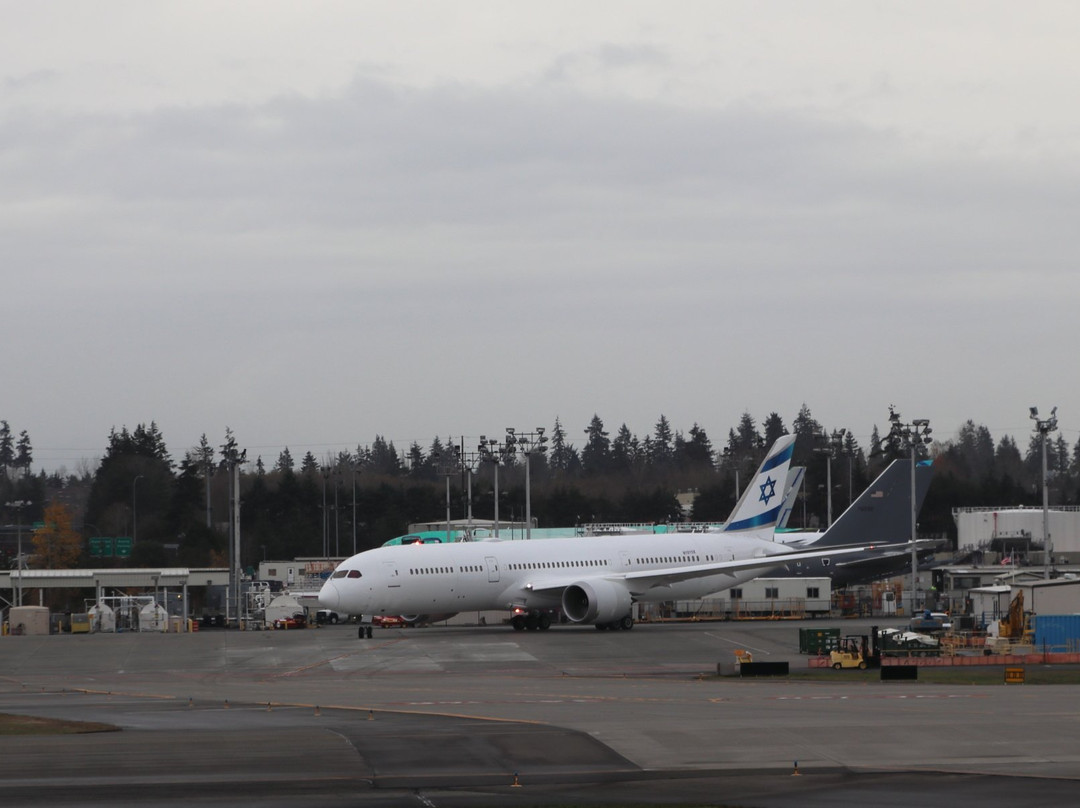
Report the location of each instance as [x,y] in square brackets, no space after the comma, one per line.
[729,455]
[491,449]
[18,505]
[470,461]
[352,465]
[527,443]
[447,463]
[830,450]
[1044,427]
[914,436]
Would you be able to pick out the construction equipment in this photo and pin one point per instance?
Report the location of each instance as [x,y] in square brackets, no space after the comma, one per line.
[1014,625]
[1011,630]
[851,652]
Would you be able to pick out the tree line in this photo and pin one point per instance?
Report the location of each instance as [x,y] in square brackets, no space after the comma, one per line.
[176,510]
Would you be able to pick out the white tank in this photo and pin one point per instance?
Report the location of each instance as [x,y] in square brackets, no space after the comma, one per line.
[102,618]
[152,617]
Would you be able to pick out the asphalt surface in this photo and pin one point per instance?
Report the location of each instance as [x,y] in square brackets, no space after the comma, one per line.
[456,716]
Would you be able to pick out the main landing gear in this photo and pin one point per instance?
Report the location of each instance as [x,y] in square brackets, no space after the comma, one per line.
[533,621]
[625,624]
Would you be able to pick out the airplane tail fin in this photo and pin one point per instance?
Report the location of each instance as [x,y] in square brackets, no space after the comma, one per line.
[794,483]
[882,513]
[761,503]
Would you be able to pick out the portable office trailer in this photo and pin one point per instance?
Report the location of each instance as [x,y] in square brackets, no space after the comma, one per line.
[776,597]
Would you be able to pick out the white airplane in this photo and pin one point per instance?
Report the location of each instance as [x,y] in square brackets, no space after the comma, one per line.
[592,579]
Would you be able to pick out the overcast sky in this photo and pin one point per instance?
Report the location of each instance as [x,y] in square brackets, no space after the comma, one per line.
[318,222]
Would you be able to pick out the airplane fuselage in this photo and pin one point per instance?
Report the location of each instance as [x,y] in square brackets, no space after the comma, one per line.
[473,576]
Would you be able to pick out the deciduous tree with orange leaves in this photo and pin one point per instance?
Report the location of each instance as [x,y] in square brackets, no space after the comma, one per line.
[57,545]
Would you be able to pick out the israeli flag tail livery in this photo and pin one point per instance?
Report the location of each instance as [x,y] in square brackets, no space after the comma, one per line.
[761,503]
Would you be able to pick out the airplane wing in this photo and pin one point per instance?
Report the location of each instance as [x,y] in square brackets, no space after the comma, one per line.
[650,579]
[899,550]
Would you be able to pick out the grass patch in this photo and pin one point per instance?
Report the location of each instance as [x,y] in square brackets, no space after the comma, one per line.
[32,725]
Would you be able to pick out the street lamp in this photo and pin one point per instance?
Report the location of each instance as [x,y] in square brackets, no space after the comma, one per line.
[913,436]
[1044,427]
[527,443]
[18,505]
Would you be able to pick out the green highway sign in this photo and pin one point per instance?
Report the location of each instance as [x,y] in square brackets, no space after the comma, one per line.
[101,547]
[123,546]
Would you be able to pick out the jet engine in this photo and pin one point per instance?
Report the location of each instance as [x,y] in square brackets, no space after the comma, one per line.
[596,601]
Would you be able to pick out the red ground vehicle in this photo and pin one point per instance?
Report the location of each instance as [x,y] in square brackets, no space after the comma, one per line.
[296,621]
[388,621]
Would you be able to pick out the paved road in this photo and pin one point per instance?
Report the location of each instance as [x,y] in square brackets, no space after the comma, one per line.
[448,716]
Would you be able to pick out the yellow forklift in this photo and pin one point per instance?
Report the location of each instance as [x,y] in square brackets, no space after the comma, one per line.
[856,652]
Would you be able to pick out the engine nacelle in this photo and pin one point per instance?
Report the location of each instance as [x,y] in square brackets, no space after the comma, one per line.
[596,601]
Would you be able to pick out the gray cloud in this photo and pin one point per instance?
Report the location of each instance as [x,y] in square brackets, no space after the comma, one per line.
[454,258]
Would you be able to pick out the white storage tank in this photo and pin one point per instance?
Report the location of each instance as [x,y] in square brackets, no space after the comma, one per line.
[281,608]
[102,618]
[153,617]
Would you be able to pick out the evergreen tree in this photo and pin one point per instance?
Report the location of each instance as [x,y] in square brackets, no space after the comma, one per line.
[284,461]
[625,451]
[774,429]
[24,454]
[696,454]
[596,456]
[562,456]
[309,466]
[661,451]
[7,449]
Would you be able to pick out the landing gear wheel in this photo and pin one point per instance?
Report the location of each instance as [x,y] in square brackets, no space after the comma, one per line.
[544,622]
[626,623]
[532,622]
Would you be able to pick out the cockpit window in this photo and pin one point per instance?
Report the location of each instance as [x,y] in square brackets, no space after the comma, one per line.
[339,573]
[354,573]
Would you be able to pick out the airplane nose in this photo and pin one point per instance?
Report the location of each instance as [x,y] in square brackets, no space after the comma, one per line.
[328,596]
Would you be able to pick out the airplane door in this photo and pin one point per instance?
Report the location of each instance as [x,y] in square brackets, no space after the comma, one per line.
[390,570]
[492,569]
[625,559]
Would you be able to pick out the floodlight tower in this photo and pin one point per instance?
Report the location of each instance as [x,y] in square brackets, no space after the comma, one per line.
[913,436]
[833,447]
[490,449]
[18,505]
[729,456]
[470,462]
[1045,427]
[448,463]
[528,443]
